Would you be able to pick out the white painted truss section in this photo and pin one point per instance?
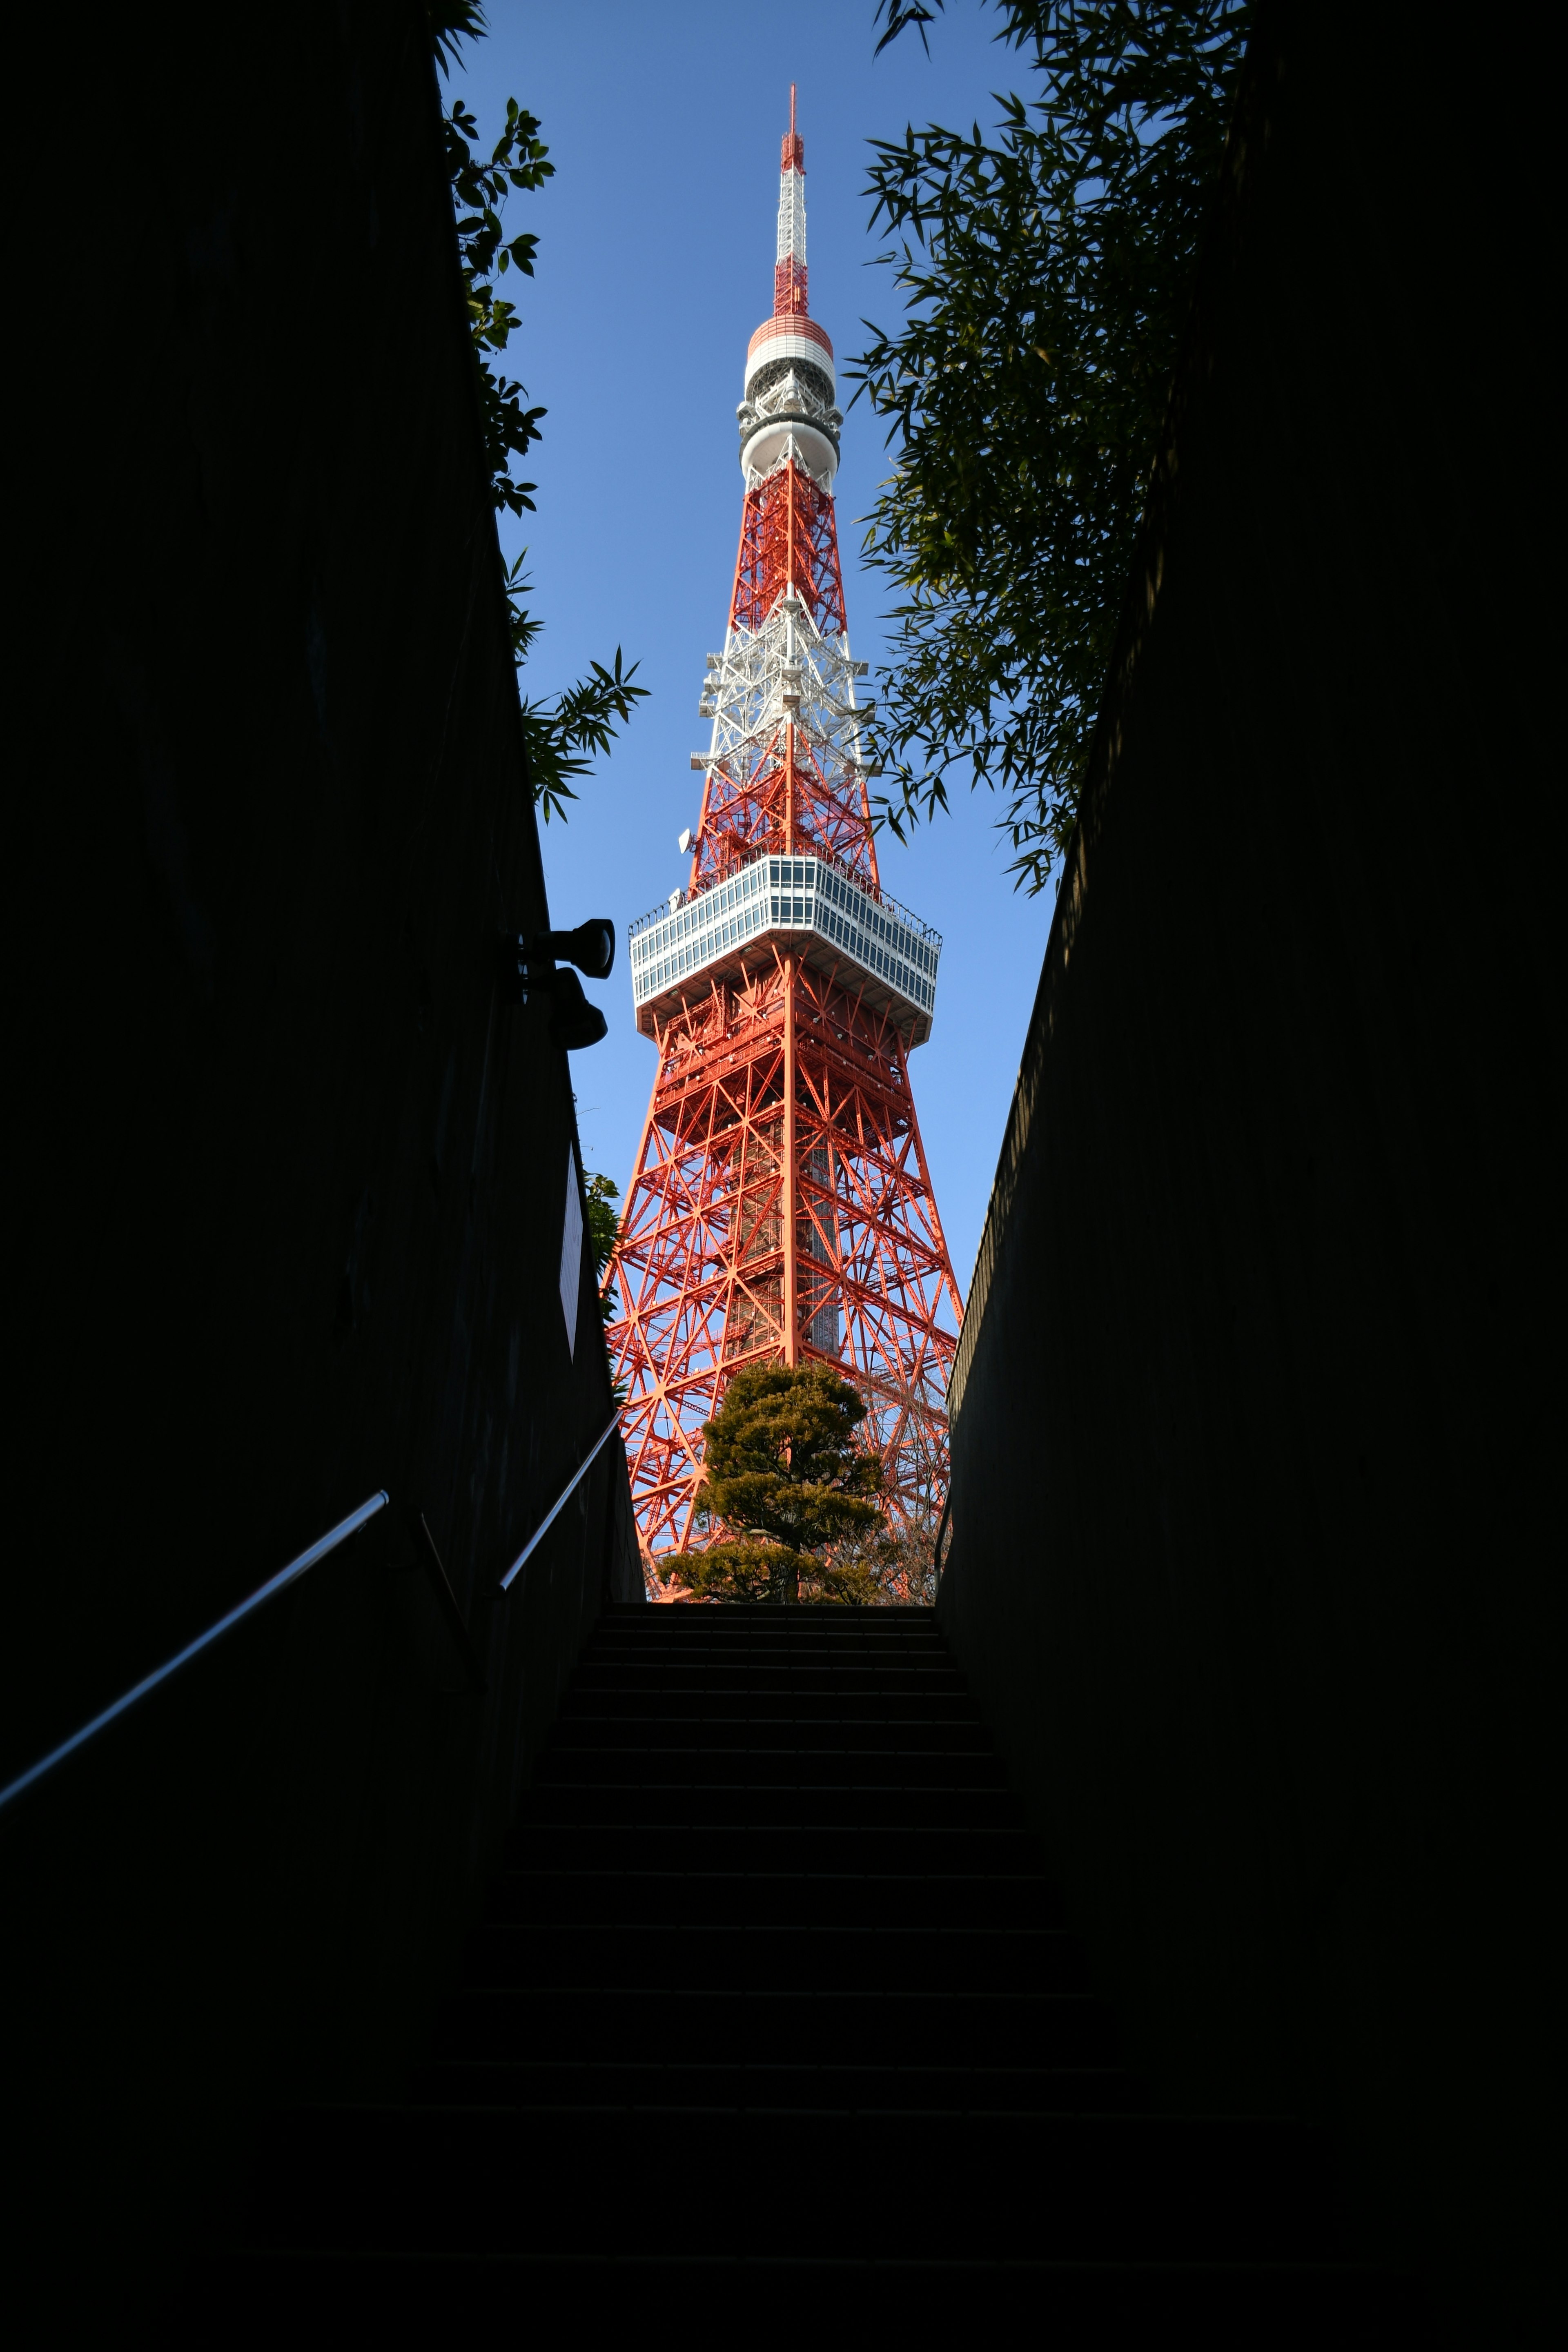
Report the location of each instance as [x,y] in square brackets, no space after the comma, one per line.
[785,672]
[792,215]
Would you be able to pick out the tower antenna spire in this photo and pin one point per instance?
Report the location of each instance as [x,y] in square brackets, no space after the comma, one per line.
[781,1210]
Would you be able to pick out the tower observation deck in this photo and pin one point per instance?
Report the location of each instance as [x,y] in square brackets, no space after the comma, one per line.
[781,1208]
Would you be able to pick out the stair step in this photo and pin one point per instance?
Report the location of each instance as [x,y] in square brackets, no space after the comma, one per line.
[934,2027]
[758,1899]
[916,1851]
[755,1680]
[967,1960]
[773,1656]
[740,1804]
[739,1620]
[775,2013]
[1240,2306]
[846,2089]
[724,1702]
[729,1764]
[774,1726]
[1088,2187]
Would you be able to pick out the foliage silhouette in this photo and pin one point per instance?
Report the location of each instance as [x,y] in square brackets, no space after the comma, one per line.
[1047,271]
[604,1230]
[563,737]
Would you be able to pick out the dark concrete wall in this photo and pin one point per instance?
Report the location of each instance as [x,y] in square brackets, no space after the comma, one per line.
[1258,1410]
[287,1183]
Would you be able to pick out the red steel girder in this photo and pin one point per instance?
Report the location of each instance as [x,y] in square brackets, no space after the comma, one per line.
[789,537]
[781,1208]
[792,1225]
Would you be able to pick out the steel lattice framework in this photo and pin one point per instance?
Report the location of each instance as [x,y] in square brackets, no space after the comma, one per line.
[781,1208]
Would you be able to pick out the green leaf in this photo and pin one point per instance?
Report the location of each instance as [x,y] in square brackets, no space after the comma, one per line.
[562,738]
[1045,272]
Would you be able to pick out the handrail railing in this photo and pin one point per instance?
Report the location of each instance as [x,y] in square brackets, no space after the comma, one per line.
[943,1526]
[564,1497]
[268,1592]
[286,1576]
[447,1600]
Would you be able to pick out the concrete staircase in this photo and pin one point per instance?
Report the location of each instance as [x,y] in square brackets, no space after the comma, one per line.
[775,2021]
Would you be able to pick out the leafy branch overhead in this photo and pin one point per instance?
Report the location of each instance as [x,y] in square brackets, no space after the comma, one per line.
[603,1231]
[563,737]
[479,190]
[1045,271]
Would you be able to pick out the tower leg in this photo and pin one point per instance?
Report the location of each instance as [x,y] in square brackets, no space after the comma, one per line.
[790,1234]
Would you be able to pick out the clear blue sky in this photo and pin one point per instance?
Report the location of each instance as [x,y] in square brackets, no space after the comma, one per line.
[655,265]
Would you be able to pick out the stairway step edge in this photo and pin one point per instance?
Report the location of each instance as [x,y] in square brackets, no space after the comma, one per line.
[1287,2267]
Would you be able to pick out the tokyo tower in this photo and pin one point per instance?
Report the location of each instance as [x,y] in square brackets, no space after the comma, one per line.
[781,1208]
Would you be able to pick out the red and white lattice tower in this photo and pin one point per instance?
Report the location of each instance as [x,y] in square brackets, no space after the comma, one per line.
[781,1208]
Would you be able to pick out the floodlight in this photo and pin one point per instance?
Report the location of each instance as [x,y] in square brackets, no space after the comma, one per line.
[573,1022]
[591,947]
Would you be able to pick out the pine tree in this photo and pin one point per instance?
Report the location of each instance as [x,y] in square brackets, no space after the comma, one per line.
[789,1484]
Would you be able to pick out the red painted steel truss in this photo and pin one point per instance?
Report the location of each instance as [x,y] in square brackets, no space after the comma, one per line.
[790,287]
[788,794]
[781,1211]
[788,537]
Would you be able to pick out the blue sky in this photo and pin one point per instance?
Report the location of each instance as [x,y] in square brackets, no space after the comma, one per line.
[655,265]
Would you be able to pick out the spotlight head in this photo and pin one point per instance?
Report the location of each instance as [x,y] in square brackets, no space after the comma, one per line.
[573,1022]
[591,947]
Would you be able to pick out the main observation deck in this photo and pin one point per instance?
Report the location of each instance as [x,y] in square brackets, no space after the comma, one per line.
[810,906]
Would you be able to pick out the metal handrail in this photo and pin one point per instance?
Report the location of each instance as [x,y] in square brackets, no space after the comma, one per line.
[941,1526]
[447,1600]
[560,1503]
[274,1585]
[285,1577]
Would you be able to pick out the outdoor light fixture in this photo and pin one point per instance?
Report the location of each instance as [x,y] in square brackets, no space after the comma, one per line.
[573,1022]
[591,947]
[529,964]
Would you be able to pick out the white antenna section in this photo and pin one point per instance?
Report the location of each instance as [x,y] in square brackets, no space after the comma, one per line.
[792,215]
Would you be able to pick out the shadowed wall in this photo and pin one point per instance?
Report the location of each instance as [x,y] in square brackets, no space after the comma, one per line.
[288,1182]
[1254,1563]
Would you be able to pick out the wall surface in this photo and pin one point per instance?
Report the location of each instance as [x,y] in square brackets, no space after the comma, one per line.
[286,1182]
[1256,1560]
